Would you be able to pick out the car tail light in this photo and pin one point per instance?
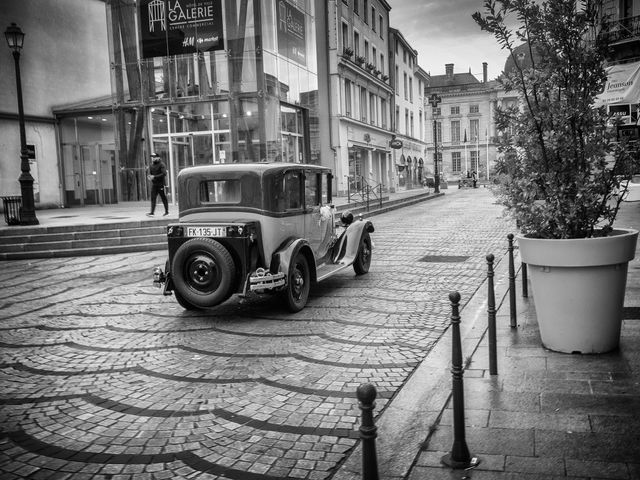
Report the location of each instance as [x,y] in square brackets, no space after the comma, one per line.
[175,231]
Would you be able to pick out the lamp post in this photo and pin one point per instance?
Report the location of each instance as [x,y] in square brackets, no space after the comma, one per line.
[15,40]
[434,100]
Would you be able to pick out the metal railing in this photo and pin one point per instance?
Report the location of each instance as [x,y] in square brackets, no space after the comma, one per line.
[360,192]
[622,29]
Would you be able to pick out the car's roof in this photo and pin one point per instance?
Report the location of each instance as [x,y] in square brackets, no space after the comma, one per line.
[259,168]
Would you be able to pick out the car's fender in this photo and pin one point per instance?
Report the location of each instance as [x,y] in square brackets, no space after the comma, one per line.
[283,256]
[346,249]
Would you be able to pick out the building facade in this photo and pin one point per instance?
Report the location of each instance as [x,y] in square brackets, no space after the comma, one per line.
[408,82]
[622,91]
[70,70]
[361,94]
[464,123]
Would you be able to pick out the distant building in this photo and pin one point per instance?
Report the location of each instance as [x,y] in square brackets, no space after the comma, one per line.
[465,123]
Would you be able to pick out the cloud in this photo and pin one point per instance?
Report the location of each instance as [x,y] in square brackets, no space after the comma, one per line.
[444,32]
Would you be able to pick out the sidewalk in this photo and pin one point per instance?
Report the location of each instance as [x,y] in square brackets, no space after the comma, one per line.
[546,415]
[136,212]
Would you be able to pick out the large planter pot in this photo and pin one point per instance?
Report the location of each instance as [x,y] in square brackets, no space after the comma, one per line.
[578,287]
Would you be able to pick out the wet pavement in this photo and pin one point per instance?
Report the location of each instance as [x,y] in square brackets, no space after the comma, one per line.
[103,377]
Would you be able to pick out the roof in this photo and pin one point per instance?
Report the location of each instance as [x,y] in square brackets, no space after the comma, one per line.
[98,104]
[260,168]
[456,80]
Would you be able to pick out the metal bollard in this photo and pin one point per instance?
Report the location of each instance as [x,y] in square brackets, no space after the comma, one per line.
[491,311]
[525,287]
[366,394]
[512,285]
[459,456]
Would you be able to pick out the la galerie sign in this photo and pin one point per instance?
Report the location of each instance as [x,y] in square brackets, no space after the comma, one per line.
[175,27]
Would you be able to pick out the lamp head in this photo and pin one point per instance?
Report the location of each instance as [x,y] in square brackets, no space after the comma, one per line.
[15,37]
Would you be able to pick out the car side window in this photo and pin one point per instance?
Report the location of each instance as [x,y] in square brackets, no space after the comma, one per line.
[312,189]
[293,190]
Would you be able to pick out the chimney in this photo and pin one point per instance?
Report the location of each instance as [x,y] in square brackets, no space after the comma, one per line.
[449,70]
[484,72]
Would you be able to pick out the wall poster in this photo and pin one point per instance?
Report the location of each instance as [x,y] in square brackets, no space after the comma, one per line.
[291,33]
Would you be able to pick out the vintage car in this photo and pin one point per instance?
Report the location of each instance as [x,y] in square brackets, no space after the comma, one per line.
[258,227]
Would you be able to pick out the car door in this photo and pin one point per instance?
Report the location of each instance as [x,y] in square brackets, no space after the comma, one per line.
[318,218]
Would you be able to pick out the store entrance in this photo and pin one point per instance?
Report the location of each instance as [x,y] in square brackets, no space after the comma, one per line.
[91,177]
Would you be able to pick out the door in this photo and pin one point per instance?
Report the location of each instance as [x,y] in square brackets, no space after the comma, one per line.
[90,174]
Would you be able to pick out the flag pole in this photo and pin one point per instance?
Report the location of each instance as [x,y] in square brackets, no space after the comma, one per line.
[486,136]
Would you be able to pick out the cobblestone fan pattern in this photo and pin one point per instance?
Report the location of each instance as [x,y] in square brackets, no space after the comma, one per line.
[103,377]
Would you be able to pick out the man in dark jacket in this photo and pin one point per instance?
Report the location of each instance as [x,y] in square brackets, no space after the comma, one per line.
[157,176]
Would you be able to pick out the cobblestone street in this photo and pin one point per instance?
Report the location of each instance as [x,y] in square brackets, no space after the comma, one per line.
[103,377]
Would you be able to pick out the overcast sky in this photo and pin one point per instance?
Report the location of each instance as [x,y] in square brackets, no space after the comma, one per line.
[442,31]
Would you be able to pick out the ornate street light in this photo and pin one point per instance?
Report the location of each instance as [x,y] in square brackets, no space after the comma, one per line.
[15,40]
[434,100]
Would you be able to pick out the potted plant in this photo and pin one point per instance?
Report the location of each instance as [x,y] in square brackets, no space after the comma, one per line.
[561,168]
[370,66]
[348,52]
[359,59]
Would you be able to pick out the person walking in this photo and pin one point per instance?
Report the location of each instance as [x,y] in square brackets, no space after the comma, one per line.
[157,176]
[474,178]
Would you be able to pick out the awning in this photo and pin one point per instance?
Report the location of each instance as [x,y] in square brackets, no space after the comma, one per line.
[623,85]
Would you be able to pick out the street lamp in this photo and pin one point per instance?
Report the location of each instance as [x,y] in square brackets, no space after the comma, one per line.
[434,100]
[15,40]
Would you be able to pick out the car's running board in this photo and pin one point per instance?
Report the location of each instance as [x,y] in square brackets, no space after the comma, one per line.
[329,269]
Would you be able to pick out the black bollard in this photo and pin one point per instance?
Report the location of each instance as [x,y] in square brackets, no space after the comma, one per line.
[525,287]
[366,394]
[459,456]
[512,285]
[491,311]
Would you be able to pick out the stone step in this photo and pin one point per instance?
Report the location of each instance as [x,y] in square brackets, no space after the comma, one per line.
[87,251]
[22,231]
[71,235]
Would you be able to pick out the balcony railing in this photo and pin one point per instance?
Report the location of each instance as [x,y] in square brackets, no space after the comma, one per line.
[624,29]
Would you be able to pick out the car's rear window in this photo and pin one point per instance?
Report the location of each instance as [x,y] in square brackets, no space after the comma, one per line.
[220,191]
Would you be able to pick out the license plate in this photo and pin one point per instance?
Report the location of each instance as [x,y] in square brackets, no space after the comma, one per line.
[204,231]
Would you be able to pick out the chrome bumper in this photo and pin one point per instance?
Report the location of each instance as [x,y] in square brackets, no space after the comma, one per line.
[262,279]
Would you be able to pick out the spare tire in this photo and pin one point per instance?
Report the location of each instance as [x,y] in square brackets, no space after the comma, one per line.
[203,272]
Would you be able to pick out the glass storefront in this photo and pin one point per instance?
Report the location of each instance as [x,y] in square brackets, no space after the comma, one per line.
[243,88]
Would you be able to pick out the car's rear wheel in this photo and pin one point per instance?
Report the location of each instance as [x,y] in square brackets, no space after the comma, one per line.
[298,284]
[203,273]
[363,258]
